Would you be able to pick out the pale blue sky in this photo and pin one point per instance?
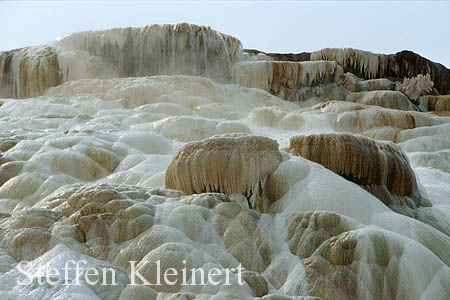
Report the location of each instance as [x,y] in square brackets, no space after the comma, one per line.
[273,26]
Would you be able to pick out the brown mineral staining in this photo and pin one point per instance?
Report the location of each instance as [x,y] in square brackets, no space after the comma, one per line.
[380,167]
[387,99]
[362,63]
[27,233]
[367,65]
[103,215]
[440,104]
[409,64]
[404,64]
[286,79]
[359,159]
[7,143]
[28,72]
[355,84]
[335,256]
[304,56]
[335,268]
[375,122]
[183,49]
[306,231]
[228,164]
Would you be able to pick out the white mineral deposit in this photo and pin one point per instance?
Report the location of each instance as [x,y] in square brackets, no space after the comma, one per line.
[169,162]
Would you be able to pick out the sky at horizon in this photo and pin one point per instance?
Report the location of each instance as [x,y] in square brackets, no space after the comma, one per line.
[270,26]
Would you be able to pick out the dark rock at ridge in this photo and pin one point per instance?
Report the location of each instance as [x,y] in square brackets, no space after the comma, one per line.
[409,64]
[392,66]
[303,56]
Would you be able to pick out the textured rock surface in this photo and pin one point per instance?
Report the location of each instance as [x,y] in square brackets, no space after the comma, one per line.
[409,64]
[118,223]
[307,231]
[378,123]
[285,79]
[304,56]
[226,164]
[388,99]
[356,84]
[381,168]
[359,62]
[28,72]
[403,64]
[83,170]
[416,86]
[122,52]
[161,49]
[438,103]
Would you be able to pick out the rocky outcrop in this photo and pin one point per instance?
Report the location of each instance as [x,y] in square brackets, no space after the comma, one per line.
[375,122]
[123,223]
[404,64]
[287,80]
[438,103]
[83,170]
[27,234]
[28,72]
[362,63]
[161,49]
[229,164]
[381,168]
[102,216]
[388,99]
[304,56]
[355,84]
[409,64]
[367,65]
[294,80]
[337,257]
[181,49]
[416,86]
[336,266]
[306,231]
